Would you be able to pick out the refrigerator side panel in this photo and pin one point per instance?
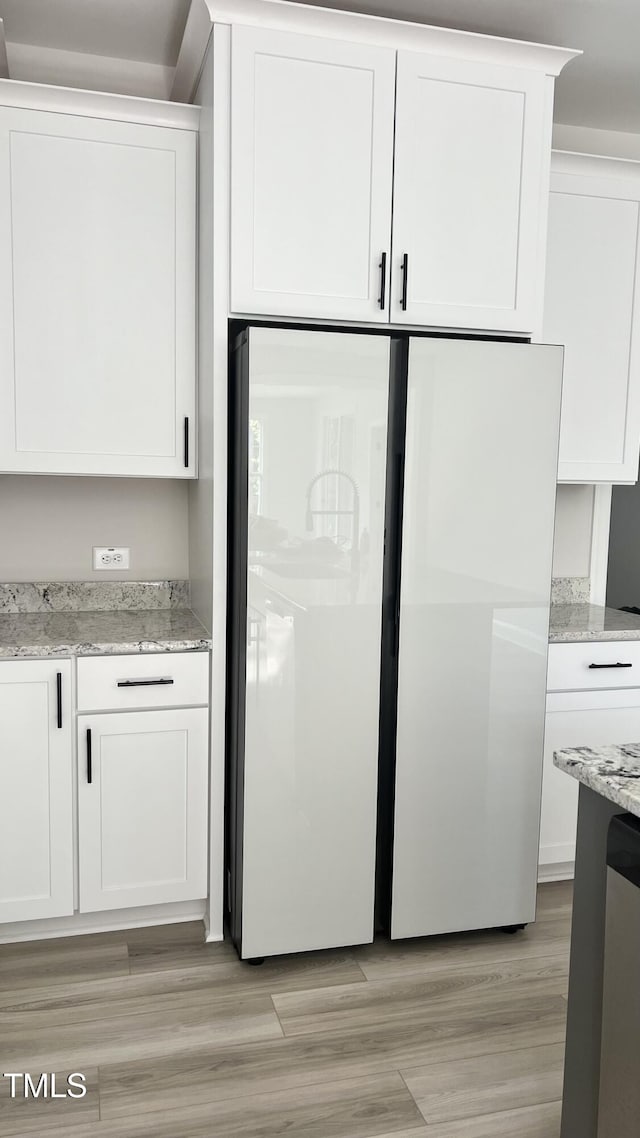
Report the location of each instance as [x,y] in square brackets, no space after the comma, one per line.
[479,502]
[317,425]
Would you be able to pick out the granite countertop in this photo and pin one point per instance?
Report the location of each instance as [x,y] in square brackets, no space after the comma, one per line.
[612,771]
[37,634]
[583,622]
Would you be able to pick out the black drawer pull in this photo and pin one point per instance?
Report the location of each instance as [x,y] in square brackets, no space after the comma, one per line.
[89,771]
[618,665]
[59,697]
[186,442]
[142,683]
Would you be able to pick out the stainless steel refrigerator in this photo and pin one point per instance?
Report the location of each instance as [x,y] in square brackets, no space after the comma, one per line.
[391,526]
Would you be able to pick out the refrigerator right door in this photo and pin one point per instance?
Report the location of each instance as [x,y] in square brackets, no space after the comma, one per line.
[481,457]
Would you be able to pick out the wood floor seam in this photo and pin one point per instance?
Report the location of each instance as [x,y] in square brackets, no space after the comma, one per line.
[412,1096]
[408,1071]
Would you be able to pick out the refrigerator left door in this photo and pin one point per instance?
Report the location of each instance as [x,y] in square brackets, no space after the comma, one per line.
[310,439]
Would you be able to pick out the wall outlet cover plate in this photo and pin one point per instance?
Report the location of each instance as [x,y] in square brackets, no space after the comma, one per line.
[111,557]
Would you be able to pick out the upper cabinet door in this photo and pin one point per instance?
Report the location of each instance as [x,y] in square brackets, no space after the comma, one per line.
[97,296]
[311,173]
[592,306]
[469,194]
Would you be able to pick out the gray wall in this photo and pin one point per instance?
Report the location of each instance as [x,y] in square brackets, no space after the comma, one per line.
[590,140]
[48,526]
[623,581]
[572,544]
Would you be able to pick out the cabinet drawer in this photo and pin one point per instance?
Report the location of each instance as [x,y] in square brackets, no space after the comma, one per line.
[589,666]
[167,679]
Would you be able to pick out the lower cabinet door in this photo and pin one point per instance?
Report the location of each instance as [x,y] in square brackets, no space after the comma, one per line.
[143,808]
[36,793]
[578,719]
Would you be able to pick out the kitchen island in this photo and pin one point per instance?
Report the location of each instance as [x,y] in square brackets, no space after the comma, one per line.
[609,778]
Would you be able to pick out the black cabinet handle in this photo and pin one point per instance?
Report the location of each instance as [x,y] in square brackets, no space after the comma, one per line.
[142,683]
[405,278]
[89,771]
[59,696]
[383,280]
[611,665]
[186,441]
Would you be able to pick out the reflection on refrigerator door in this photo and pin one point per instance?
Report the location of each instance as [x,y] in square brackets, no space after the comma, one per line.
[312,451]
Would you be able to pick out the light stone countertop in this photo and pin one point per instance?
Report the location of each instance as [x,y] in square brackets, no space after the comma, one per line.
[42,634]
[582,622]
[612,771]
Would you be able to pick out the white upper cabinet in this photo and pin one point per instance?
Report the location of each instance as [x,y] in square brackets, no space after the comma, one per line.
[311,173]
[401,178]
[593,308]
[36,826]
[97,295]
[468,193]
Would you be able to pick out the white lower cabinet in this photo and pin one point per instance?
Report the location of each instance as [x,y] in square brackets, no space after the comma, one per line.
[559,813]
[142,802]
[36,823]
[580,718]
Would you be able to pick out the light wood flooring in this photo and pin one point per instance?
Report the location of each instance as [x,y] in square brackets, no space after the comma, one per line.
[449,1037]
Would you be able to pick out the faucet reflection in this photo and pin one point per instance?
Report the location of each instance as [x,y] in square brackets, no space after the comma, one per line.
[353,513]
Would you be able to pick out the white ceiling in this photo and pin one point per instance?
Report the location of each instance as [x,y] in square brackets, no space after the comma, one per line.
[149,31]
[601,89]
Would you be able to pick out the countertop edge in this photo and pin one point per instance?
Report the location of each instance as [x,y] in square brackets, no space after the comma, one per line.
[613,786]
[119,648]
[578,637]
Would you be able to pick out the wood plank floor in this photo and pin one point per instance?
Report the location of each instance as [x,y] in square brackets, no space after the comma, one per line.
[448,1037]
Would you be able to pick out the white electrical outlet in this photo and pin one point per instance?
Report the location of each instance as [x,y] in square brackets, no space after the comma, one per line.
[110,557]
